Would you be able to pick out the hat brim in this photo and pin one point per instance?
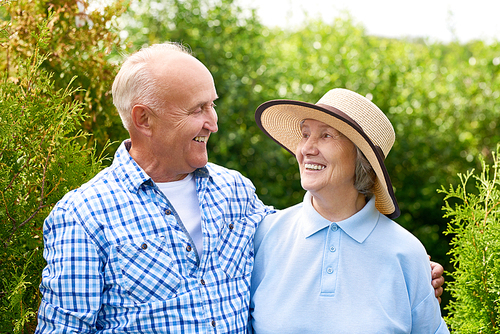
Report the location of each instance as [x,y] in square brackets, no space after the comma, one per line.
[280,120]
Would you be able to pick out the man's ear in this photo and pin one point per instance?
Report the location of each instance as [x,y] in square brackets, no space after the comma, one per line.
[141,119]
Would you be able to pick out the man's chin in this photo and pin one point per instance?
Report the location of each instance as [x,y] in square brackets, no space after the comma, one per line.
[200,163]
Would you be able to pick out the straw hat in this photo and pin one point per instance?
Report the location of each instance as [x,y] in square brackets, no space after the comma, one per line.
[354,116]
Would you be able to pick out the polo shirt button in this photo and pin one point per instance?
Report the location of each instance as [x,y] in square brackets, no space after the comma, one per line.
[202,282]
[329,270]
[188,248]
[332,249]
[333,227]
[168,212]
[213,323]
[144,246]
[231,226]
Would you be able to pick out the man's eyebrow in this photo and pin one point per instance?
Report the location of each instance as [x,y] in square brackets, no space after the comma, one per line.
[202,104]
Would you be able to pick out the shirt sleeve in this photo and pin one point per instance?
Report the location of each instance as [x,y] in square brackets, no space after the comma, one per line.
[427,318]
[426,312]
[72,280]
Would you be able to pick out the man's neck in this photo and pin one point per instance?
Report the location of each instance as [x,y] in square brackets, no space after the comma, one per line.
[152,166]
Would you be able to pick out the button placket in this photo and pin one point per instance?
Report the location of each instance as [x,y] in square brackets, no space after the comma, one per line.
[330,260]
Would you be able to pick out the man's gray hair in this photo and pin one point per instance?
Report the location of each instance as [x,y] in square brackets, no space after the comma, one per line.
[135,83]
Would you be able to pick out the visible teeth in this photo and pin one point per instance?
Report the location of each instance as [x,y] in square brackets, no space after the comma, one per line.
[313,166]
[201,139]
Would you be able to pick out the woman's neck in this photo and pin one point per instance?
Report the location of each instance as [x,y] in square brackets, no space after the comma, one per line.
[339,206]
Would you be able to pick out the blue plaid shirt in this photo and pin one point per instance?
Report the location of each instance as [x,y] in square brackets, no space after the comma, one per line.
[119,260]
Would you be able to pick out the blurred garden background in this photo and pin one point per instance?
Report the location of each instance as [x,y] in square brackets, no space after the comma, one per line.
[58,60]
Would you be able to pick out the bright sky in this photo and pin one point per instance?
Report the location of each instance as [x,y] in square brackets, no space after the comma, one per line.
[477,19]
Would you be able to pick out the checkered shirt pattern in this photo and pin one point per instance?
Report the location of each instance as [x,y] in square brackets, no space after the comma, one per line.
[119,259]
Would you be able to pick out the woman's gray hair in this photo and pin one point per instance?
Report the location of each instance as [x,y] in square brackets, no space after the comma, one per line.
[365,175]
[135,83]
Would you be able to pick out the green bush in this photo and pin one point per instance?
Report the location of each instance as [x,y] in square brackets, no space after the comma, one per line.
[79,50]
[41,158]
[475,226]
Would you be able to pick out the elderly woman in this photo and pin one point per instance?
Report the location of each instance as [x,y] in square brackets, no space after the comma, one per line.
[337,263]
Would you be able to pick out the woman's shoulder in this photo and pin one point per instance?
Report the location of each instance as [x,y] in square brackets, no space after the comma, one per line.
[275,222]
[398,238]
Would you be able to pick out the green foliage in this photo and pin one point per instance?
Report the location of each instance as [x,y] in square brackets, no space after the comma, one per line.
[475,226]
[41,158]
[79,49]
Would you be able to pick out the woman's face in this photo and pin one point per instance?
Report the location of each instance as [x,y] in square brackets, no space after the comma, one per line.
[326,158]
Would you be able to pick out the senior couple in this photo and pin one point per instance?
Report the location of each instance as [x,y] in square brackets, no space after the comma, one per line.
[164,242]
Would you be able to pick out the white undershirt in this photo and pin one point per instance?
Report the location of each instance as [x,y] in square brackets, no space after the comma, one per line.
[182,195]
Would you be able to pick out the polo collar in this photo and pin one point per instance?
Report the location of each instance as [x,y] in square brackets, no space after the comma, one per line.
[358,226]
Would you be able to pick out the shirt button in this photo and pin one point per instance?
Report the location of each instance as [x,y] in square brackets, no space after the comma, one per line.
[202,282]
[188,248]
[231,226]
[144,246]
[168,212]
[333,227]
[332,249]
[213,323]
[329,270]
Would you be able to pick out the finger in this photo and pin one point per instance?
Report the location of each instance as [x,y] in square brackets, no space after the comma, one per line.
[437,270]
[438,282]
[438,292]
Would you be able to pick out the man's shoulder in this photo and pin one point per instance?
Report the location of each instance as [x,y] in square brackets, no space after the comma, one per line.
[100,185]
[215,170]
[220,174]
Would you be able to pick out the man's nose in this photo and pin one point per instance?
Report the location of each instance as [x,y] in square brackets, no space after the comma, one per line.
[211,123]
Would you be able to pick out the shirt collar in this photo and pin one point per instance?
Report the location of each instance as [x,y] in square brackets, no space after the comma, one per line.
[358,226]
[312,220]
[132,175]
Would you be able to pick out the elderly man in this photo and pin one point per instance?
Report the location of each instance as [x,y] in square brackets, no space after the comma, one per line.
[161,241]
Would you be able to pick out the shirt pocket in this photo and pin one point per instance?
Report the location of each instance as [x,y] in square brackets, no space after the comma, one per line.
[235,248]
[148,272]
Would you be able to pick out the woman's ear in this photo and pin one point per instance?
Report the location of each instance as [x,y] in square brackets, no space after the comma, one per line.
[141,117]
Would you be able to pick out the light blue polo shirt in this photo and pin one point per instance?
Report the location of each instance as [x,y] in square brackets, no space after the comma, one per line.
[365,274]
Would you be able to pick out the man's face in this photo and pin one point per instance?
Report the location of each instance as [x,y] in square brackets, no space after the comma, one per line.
[180,132]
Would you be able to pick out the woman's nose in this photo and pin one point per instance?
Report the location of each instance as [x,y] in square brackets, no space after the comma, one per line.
[310,147]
